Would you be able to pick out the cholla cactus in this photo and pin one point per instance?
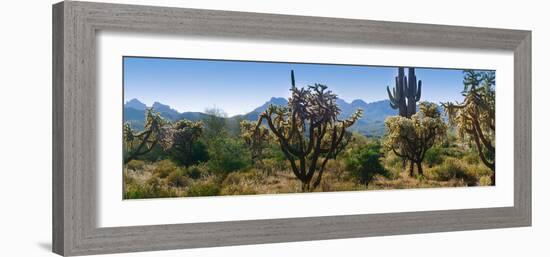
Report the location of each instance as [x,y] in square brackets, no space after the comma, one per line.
[308,131]
[184,134]
[410,138]
[256,139]
[474,118]
[155,131]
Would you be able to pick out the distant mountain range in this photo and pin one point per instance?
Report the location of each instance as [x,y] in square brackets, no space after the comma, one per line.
[370,124]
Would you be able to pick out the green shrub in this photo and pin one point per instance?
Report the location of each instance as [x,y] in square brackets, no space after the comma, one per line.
[364,163]
[471,158]
[228,155]
[135,165]
[164,168]
[196,171]
[203,189]
[199,154]
[434,156]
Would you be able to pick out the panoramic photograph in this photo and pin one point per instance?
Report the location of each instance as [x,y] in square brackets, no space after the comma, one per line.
[197,127]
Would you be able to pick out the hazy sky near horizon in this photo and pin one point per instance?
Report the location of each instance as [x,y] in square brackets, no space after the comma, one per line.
[238,87]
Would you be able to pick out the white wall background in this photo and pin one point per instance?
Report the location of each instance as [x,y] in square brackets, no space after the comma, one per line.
[25,126]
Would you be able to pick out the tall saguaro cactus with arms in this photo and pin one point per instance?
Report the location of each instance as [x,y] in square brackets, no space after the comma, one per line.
[406,93]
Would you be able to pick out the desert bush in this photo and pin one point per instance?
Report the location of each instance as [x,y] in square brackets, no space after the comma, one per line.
[239,177]
[393,165]
[238,189]
[164,168]
[135,165]
[479,170]
[271,165]
[452,168]
[434,156]
[335,186]
[197,171]
[471,158]
[449,169]
[152,188]
[127,178]
[364,163]
[485,180]
[178,178]
[228,155]
[203,189]
[197,154]
[243,183]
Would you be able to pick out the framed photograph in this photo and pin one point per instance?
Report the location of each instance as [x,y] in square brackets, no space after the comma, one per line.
[183,128]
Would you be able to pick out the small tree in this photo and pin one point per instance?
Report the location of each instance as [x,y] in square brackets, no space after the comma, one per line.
[215,123]
[411,138]
[308,131]
[474,117]
[184,138]
[156,131]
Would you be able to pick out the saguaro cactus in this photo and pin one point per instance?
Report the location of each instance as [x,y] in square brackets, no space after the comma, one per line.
[414,90]
[405,93]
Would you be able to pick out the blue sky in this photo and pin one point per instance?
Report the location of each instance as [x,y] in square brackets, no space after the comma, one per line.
[238,87]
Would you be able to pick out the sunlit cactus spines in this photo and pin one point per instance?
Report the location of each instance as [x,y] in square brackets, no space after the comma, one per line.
[474,117]
[406,93]
[155,132]
[308,131]
[410,138]
[257,139]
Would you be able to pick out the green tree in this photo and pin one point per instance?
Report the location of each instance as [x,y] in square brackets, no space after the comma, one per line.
[474,117]
[309,131]
[214,123]
[156,131]
[410,138]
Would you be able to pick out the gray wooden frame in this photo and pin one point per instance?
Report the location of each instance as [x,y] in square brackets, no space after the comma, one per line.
[74,128]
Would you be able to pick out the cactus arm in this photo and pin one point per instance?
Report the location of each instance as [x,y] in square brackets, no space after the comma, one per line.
[390,94]
[418,91]
[406,86]
[393,101]
[292,81]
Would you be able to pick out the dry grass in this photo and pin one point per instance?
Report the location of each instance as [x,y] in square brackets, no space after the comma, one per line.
[163,179]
